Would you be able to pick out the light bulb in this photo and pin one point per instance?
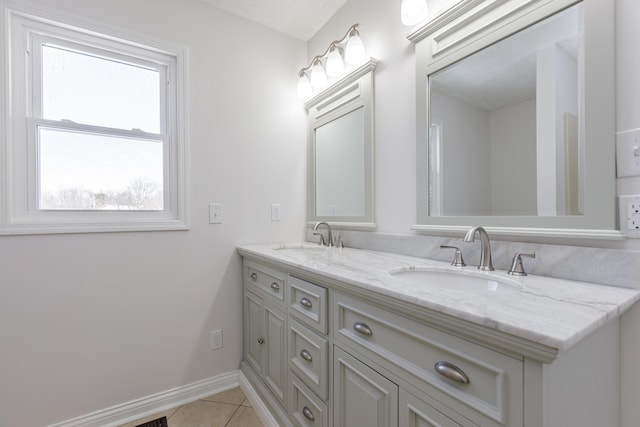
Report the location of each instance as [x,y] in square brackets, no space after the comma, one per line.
[413,11]
[304,86]
[335,65]
[354,52]
[318,76]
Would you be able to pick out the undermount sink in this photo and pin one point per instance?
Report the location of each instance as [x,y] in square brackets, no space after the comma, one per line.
[456,280]
[311,246]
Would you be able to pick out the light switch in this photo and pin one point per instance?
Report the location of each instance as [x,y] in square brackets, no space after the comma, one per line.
[628,153]
[215,213]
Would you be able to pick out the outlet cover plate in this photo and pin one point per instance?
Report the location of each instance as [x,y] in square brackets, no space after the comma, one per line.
[629,209]
[276,211]
[215,339]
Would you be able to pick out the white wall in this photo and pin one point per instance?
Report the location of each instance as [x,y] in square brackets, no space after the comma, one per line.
[394,86]
[556,94]
[627,79]
[628,117]
[339,166]
[466,155]
[92,320]
[384,37]
[513,147]
[88,321]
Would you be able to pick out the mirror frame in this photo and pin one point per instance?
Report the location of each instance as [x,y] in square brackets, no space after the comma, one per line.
[470,26]
[350,93]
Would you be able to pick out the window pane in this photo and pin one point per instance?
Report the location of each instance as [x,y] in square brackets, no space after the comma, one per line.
[96,91]
[82,171]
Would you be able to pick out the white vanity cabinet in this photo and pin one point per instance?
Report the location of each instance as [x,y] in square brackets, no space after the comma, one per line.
[416,412]
[286,344]
[362,396]
[308,353]
[471,379]
[332,352]
[265,327]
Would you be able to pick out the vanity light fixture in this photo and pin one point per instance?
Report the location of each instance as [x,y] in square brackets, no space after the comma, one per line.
[318,76]
[413,12]
[335,63]
[331,64]
[355,53]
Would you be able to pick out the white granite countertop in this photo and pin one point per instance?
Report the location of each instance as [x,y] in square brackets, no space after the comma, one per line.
[554,312]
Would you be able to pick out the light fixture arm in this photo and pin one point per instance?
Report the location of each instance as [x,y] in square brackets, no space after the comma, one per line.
[335,43]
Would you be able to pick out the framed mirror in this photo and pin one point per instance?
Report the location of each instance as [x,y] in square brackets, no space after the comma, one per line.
[341,150]
[516,118]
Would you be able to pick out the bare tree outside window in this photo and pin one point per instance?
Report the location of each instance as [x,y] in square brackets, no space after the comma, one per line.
[140,194]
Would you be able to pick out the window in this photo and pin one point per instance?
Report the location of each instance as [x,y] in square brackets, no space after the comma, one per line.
[94,136]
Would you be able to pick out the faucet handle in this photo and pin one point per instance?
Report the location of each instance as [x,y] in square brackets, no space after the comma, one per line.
[457,259]
[517,268]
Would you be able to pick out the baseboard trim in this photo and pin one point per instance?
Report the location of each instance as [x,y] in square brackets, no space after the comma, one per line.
[146,406]
[258,405]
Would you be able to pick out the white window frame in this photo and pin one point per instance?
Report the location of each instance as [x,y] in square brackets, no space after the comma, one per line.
[20,116]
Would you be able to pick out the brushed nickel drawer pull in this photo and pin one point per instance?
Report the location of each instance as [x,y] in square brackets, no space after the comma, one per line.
[452,372]
[362,328]
[275,286]
[306,355]
[260,340]
[254,276]
[308,414]
[306,302]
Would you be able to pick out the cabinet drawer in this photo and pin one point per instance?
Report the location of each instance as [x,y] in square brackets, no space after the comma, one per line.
[265,279]
[456,371]
[305,408]
[309,357]
[308,303]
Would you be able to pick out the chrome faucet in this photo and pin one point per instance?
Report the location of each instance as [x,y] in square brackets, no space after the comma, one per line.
[485,249]
[329,233]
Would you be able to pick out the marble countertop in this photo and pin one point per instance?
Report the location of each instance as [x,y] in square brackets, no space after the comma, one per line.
[553,312]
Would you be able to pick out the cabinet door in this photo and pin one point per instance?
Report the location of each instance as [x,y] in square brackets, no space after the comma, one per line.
[417,413]
[253,336]
[362,397]
[274,368]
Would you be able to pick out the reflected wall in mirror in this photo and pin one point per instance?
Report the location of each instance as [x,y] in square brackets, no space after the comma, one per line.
[340,155]
[505,124]
[516,118]
[341,152]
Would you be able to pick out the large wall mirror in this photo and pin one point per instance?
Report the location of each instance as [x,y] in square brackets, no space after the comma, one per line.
[516,118]
[341,150]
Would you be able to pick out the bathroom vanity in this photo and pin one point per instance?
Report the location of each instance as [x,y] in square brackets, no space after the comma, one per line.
[345,337]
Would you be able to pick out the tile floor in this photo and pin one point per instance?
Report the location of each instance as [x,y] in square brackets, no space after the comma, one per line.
[227,409]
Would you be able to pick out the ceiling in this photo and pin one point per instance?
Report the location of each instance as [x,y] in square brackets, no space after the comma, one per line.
[300,19]
[505,73]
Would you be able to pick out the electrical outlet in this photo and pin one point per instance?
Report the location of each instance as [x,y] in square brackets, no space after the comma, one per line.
[275,212]
[630,215]
[215,339]
[633,216]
